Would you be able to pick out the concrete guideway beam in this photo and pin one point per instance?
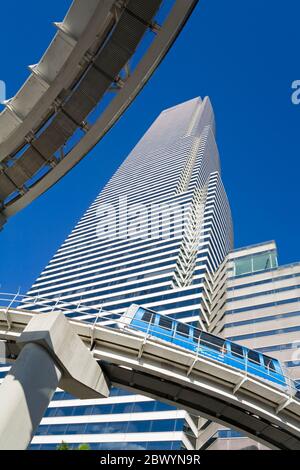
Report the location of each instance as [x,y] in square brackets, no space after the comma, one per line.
[51,355]
[260,409]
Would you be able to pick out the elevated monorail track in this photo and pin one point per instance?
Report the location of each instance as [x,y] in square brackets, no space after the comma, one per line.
[202,386]
[102,55]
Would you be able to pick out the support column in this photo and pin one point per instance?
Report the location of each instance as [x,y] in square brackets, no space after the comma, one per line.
[25,395]
[51,354]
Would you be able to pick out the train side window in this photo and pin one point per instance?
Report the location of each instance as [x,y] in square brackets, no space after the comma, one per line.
[148,317]
[253,356]
[183,329]
[237,350]
[165,323]
[213,342]
[269,363]
[197,333]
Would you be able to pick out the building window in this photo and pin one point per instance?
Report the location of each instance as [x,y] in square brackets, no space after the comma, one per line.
[255,263]
[243,266]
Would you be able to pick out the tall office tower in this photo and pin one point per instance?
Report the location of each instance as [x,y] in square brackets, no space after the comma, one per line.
[155,236]
[262,312]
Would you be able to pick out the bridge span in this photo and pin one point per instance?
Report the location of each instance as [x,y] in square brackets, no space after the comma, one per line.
[102,55]
[169,373]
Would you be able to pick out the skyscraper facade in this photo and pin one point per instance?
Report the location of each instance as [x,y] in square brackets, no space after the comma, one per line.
[262,312]
[155,236]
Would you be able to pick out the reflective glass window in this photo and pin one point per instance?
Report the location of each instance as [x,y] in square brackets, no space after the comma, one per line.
[165,322]
[183,329]
[148,317]
[253,356]
[212,342]
[243,266]
[261,262]
[237,350]
[269,363]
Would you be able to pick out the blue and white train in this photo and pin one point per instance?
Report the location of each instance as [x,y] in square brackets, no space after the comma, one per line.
[205,344]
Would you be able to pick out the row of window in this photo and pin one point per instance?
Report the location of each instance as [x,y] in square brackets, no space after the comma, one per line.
[111,408]
[113,272]
[160,445]
[255,262]
[264,281]
[111,259]
[228,433]
[260,306]
[94,290]
[170,296]
[82,286]
[292,363]
[278,347]
[205,339]
[163,255]
[164,425]
[260,334]
[84,232]
[114,392]
[111,246]
[262,319]
[267,292]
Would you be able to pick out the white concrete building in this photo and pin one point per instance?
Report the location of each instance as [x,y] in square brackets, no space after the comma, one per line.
[262,312]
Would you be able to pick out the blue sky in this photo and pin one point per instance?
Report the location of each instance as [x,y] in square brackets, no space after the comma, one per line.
[244,55]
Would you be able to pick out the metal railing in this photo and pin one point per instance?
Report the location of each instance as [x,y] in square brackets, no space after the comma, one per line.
[44,304]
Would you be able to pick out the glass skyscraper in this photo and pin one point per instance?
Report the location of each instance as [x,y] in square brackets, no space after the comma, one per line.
[168,230]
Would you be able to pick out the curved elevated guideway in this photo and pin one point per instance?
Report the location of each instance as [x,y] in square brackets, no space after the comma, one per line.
[102,55]
[167,372]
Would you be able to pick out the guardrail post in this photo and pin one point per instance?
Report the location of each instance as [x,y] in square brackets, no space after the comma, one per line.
[9,306]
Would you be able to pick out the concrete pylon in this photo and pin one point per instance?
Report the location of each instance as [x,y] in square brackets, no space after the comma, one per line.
[51,355]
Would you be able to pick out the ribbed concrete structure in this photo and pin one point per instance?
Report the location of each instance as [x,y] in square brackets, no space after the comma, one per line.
[104,51]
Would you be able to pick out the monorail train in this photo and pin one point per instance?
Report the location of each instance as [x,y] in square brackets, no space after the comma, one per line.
[206,344]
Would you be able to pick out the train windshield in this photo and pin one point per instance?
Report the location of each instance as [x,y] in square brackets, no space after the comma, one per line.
[253,356]
[148,317]
[269,363]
